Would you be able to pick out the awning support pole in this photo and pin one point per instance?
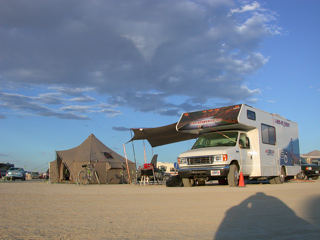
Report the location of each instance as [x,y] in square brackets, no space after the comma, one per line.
[144,152]
[128,170]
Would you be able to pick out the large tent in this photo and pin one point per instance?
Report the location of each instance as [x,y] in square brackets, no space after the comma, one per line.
[110,166]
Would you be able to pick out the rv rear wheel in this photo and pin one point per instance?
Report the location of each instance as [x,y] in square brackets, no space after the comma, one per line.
[233,176]
[280,179]
[187,182]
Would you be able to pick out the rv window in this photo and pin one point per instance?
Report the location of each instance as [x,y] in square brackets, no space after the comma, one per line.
[268,134]
[251,115]
[216,140]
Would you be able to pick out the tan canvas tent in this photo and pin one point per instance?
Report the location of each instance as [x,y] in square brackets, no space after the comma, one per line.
[110,166]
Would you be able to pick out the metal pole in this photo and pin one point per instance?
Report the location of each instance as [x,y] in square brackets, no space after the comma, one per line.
[128,170]
[135,160]
[144,152]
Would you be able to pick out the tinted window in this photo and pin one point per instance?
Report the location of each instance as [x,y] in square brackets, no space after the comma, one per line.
[268,134]
[216,140]
[251,115]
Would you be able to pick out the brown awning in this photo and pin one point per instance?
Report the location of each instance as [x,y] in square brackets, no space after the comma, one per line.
[161,135]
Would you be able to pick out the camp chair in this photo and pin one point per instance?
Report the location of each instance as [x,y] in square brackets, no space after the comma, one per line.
[154,160]
[147,170]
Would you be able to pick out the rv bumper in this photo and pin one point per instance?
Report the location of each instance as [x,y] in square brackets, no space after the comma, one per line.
[215,172]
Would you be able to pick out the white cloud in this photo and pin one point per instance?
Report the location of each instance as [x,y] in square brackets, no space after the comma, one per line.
[246,8]
[83,99]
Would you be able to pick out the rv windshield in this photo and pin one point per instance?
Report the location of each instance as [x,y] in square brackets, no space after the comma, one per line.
[216,140]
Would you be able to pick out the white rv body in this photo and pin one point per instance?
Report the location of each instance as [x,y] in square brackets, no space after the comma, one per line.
[271,149]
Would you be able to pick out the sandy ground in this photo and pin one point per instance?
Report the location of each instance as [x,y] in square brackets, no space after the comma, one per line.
[38,210]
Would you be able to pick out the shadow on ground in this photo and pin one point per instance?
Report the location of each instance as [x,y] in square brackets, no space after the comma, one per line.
[265,217]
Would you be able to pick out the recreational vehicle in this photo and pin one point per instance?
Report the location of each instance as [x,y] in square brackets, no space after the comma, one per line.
[238,140]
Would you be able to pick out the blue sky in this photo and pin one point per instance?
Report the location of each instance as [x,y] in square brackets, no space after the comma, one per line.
[72,68]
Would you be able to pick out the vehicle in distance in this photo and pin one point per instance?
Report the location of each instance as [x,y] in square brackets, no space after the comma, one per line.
[16,173]
[308,171]
[35,175]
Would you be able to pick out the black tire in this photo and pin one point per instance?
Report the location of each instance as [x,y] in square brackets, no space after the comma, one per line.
[280,179]
[187,182]
[83,177]
[301,175]
[315,177]
[174,181]
[233,176]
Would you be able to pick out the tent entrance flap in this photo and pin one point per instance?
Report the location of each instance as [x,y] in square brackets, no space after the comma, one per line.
[161,135]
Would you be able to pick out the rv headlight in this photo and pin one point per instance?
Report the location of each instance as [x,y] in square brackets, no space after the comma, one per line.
[221,157]
[182,160]
[308,168]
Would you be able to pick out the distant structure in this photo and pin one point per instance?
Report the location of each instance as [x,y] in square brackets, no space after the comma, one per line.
[312,157]
[4,166]
[169,167]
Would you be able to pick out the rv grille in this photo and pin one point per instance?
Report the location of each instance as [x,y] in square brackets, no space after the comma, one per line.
[200,160]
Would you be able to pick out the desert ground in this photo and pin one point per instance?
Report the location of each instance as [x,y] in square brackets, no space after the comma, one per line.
[40,210]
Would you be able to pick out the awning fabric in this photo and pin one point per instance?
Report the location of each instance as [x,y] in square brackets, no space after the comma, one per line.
[161,135]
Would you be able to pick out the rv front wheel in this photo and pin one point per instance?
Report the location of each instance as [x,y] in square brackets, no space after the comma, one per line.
[233,176]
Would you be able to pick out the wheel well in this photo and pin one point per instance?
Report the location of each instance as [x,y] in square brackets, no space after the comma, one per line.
[235,162]
[285,169]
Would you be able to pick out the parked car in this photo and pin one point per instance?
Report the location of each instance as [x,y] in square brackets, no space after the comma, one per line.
[16,173]
[35,175]
[308,171]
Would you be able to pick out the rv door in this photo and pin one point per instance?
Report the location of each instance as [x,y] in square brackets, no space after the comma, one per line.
[246,154]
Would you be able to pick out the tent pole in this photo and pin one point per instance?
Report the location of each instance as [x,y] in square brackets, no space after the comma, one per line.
[128,170]
[144,152]
[135,160]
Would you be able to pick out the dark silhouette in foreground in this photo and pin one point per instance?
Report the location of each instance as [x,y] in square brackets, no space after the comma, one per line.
[265,217]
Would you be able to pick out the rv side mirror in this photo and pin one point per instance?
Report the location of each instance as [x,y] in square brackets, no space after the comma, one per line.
[247,142]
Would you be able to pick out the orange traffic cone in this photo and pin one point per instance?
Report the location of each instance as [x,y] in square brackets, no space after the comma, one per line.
[241,180]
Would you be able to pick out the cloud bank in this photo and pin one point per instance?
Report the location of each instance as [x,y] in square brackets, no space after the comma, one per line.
[144,55]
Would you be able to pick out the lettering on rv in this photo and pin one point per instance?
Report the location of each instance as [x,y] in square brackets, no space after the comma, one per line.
[206,121]
[281,122]
[269,152]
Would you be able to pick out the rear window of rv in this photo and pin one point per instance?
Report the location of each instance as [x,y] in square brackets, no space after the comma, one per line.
[268,134]
[251,115]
